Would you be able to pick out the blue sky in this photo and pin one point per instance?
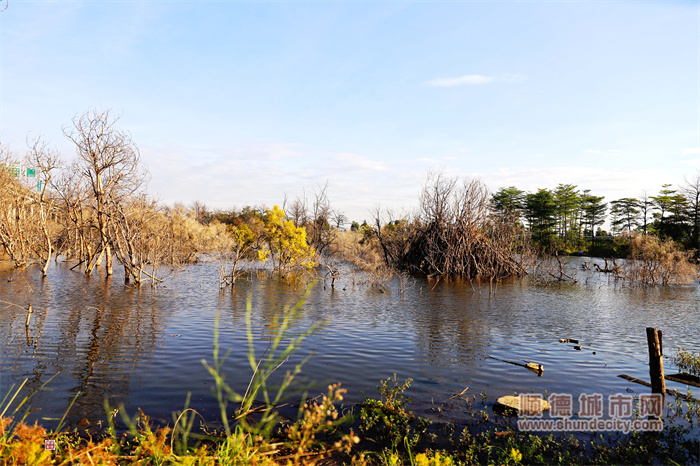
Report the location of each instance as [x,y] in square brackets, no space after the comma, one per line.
[238,103]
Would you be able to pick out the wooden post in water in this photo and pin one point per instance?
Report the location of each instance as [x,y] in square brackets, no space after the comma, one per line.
[656,360]
[29,314]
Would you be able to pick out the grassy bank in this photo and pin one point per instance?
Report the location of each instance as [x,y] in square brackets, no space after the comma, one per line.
[379,431]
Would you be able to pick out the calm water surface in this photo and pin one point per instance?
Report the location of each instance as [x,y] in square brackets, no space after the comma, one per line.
[143,347]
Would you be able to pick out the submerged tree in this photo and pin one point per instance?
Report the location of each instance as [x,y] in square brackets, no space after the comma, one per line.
[285,243]
[16,201]
[110,162]
[654,261]
[317,217]
[46,161]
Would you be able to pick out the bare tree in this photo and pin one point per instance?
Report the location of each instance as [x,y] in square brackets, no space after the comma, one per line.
[297,211]
[321,234]
[339,219]
[110,161]
[46,161]
[139,234]
[15,211]
[391,233]
[646,205]
[691,190]
[199,211]
[78,237]
[316,218]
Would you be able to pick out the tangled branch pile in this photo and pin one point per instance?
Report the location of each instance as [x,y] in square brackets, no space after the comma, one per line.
[455,233]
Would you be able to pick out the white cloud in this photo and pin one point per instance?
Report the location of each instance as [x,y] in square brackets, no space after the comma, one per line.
[437,161]
[601,151]
[358,163]
[460,81]
[691,150]
[511,78]
[472,79]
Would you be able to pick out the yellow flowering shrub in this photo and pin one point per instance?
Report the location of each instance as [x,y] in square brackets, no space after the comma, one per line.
[285,244]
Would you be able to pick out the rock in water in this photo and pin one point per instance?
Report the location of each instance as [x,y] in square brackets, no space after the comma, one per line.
[510,405]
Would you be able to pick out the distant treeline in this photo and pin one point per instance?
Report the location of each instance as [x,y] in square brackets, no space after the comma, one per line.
[567,218]
[95,210]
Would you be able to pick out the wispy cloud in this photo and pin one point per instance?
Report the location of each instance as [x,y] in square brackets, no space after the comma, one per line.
[691,150]
[601,151]
[358,163]
[435,161]
[474,79]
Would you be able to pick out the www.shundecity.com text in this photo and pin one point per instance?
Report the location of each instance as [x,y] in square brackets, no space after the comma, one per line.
[624,414]
[591,425]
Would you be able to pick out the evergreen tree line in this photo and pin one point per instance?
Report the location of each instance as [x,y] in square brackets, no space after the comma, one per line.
[567,218]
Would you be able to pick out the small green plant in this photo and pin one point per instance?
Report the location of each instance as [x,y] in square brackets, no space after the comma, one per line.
[284,342]
[387,420]
[687,361]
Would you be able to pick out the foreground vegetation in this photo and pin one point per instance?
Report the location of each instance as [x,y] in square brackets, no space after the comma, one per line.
[379,431]
[390,434]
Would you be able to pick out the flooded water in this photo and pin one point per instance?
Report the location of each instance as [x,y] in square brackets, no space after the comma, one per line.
[143,347]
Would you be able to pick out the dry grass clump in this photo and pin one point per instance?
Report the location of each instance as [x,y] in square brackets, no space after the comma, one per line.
[24,444]
[653,261]
[362,251]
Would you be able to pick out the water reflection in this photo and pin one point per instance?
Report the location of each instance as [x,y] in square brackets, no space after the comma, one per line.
[87,331]
[143,347]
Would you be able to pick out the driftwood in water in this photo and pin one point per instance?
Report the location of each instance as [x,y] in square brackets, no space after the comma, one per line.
[687,379]
[560,275]
[568,340]
[608,269]
[675,393]
[531,366]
